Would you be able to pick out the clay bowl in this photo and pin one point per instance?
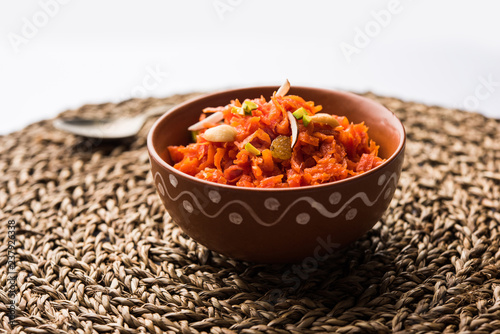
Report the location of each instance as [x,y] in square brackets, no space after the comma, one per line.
[278,225]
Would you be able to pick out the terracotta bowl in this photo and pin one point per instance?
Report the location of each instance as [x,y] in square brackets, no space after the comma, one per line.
[278,225]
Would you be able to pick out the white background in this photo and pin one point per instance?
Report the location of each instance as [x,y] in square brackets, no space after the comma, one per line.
[436,52]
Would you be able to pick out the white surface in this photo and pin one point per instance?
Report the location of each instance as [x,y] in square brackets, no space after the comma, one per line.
[96,51]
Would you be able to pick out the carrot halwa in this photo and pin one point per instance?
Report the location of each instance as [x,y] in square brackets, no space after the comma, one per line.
[259,146]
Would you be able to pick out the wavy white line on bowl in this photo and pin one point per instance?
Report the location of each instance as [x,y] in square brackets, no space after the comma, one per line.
[313,203]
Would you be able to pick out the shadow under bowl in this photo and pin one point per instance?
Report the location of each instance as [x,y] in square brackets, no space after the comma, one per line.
[278,225]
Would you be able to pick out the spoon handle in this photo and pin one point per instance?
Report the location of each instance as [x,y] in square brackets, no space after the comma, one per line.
[158,110]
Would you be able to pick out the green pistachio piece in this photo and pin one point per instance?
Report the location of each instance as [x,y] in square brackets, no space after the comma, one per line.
[299,113]
[238,111]
[306,119]
[248,106]
[252,149]
[194,135]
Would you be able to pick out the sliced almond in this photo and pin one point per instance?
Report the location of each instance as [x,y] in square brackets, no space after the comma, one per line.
[220,134]
[294,127]
[285,87]
[214,118]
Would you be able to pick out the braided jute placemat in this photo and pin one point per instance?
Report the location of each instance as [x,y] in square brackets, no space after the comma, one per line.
[97,253]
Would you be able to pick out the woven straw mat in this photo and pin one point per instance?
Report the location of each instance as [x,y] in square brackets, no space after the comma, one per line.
[97,253]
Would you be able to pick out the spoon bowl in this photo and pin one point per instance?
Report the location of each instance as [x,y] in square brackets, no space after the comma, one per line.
[108,128]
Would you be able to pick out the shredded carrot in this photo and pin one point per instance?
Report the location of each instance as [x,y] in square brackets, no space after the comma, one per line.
[218,158]
[322,154]
[267,161]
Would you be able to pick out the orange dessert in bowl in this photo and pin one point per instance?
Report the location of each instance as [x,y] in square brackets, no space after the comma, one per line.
[276,179]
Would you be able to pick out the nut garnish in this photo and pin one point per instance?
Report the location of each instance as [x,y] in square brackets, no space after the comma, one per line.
[221,134]
[325,119]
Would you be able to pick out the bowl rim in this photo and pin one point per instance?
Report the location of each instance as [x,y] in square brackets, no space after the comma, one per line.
[154,154]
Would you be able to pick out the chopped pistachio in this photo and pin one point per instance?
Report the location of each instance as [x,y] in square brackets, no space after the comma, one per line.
[299,113]
[238,111]
[194,135]
[252,149]
[306,119]
[248,106]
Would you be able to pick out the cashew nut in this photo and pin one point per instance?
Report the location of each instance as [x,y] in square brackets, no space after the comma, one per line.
[325,119]
[221,134]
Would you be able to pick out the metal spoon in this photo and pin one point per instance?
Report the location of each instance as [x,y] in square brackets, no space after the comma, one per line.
[110,128]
